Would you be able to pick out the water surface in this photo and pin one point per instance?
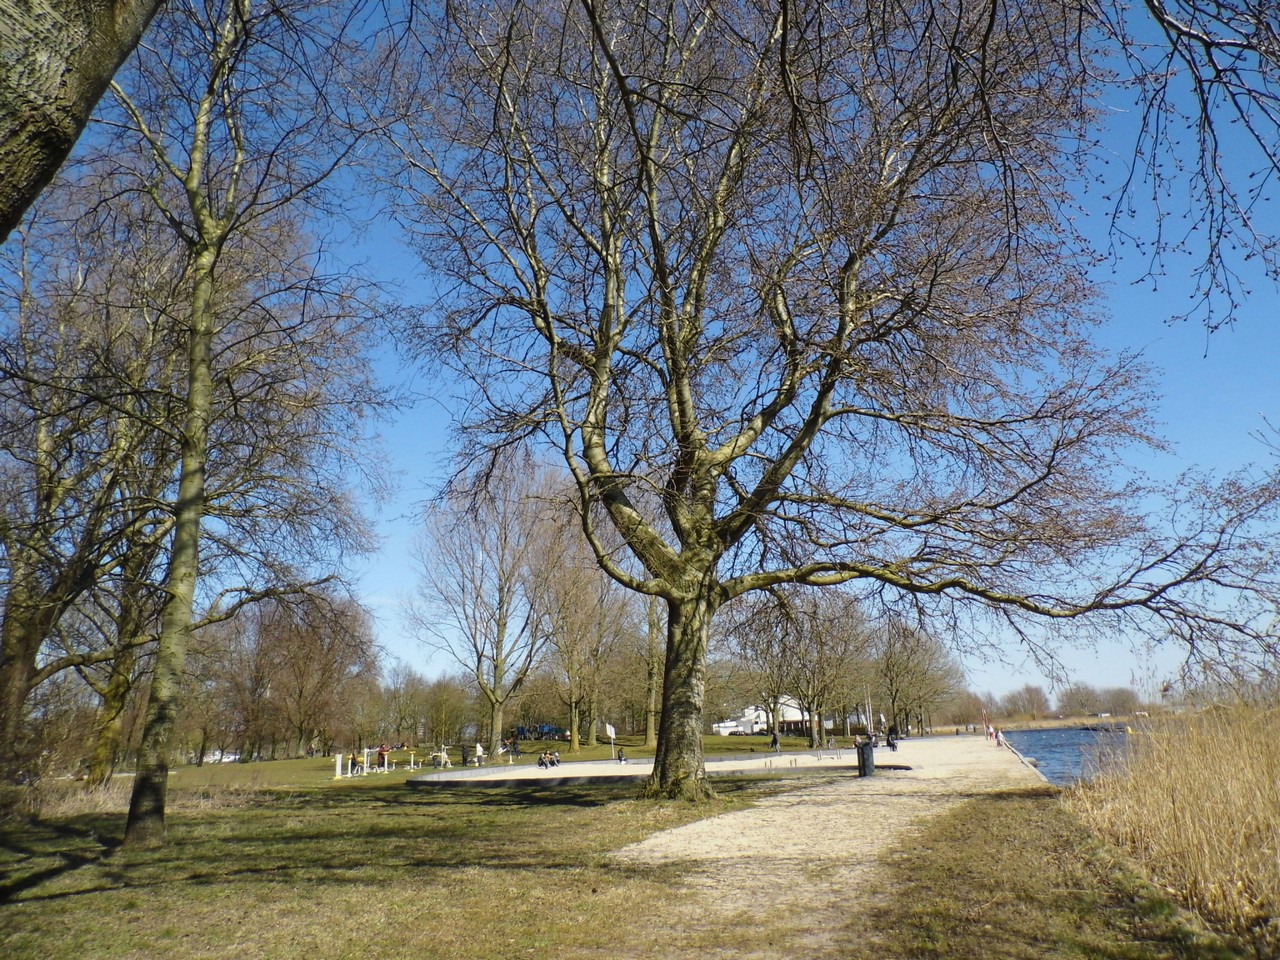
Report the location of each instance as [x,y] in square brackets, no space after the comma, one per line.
[1068,754]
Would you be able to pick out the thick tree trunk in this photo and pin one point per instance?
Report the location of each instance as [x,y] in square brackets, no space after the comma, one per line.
[59,59]
[497,712]
[678,768]
[24,624]
[17,662]
[108,731]
[150,787]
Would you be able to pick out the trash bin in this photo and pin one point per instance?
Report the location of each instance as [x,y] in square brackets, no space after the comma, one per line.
[866,759]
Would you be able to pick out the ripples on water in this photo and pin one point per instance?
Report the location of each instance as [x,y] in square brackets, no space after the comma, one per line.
[1068,754]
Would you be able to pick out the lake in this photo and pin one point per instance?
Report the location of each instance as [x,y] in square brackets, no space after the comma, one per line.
[1067,754]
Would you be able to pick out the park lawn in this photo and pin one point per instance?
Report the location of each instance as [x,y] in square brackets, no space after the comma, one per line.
[373,869]
[369,868]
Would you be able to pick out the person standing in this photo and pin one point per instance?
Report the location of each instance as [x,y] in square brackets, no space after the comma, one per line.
[773,742]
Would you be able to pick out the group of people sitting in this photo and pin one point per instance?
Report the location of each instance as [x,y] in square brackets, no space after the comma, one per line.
[549,758]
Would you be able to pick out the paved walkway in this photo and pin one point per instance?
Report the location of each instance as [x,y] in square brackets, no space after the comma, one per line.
[929,757]
[805,857]
[579,771]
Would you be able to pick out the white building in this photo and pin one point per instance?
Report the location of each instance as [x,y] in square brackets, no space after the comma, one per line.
[791,720]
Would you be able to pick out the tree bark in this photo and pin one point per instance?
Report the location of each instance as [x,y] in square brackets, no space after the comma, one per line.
[27,620]
[679,771]
[653,675]
[19,646]
[59,59]
[497,714]
[575,719]
[108,728]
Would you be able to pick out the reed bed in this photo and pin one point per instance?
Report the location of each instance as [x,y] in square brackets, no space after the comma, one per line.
[1196,801]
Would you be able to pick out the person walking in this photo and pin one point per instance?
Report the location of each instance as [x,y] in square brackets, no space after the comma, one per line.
[773,742]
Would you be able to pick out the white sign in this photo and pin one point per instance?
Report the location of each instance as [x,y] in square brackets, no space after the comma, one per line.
[608,730]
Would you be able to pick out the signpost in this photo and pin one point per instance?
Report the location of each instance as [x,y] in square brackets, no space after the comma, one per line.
[609,732]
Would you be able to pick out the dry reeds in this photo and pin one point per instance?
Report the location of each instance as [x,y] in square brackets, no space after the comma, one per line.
[1197,803]
[59,799]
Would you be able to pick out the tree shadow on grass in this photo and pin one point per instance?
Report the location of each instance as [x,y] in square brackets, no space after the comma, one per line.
[36,852]
[335,836]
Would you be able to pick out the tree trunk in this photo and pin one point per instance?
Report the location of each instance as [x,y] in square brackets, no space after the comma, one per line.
[496,713]
[593,720]
[108,731]
[146,808]
[19,647]
[678,768]
[60,57]
[653,675]
[575,718]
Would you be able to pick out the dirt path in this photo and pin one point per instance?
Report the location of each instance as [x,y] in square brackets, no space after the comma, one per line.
[803,858]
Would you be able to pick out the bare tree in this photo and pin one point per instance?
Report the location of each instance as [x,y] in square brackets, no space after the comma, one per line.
[478,598]
[829,641]
[1077,700]
[85,372]
[916,672]
[226,133]
[795,292]
[585,615]
[447,702]
[1202,76]
[758,628]
[1028,701]
[317,643]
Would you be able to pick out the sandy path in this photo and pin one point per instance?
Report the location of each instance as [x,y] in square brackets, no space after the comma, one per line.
[801,856]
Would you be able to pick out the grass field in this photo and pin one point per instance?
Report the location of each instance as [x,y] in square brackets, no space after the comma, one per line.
[296,865]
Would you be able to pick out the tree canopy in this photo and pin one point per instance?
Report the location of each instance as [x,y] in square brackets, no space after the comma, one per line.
[796,292]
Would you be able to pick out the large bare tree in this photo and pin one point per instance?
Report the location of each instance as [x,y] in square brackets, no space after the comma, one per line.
[795,291]
[86,366]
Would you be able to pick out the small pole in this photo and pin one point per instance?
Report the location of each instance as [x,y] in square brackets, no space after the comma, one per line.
[337,767]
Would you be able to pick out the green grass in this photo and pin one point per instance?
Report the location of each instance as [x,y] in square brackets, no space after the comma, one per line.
[1016,875]
[357,868]
[373,869]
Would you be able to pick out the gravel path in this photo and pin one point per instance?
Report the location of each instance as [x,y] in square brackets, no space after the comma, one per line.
[802,855]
